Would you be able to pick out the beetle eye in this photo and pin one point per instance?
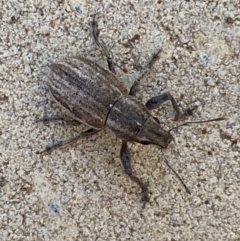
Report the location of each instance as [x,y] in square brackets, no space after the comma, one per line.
[156,119]
[145,142]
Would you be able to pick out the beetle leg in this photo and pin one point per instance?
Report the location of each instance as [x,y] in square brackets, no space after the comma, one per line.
[47,119]
[126,162]
[156,101]
[95,34]
[86,133]
[136,83]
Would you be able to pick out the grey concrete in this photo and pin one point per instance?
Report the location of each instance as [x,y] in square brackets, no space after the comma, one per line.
[80,192]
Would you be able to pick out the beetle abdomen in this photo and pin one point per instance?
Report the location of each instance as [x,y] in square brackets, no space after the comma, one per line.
[85,89]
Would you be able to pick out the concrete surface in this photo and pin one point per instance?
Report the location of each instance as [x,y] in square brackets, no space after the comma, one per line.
[80,192]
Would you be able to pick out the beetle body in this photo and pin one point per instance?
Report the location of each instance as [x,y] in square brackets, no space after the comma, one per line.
[96,97]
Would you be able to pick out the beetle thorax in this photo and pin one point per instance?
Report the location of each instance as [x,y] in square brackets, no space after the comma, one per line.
[130,120]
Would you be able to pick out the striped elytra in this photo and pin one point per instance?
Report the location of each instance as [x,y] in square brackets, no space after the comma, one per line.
[85,89]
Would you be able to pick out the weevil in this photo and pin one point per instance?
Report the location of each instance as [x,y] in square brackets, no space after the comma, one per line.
[96,97]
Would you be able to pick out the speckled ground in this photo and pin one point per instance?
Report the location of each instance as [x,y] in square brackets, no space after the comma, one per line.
[80,192]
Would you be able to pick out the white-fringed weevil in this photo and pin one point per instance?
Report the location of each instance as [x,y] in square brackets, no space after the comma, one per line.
[96,97]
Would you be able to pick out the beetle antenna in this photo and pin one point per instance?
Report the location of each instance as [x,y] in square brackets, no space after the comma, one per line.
[198,122]
[180,179]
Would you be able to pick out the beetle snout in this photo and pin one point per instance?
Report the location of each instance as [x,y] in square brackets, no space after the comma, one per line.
[153,133]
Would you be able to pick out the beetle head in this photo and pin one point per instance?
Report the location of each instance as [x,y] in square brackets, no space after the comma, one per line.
[152,133]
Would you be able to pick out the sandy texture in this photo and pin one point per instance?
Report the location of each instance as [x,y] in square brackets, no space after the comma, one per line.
[80,192]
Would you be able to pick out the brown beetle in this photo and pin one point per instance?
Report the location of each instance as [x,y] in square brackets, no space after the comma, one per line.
[96,97]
